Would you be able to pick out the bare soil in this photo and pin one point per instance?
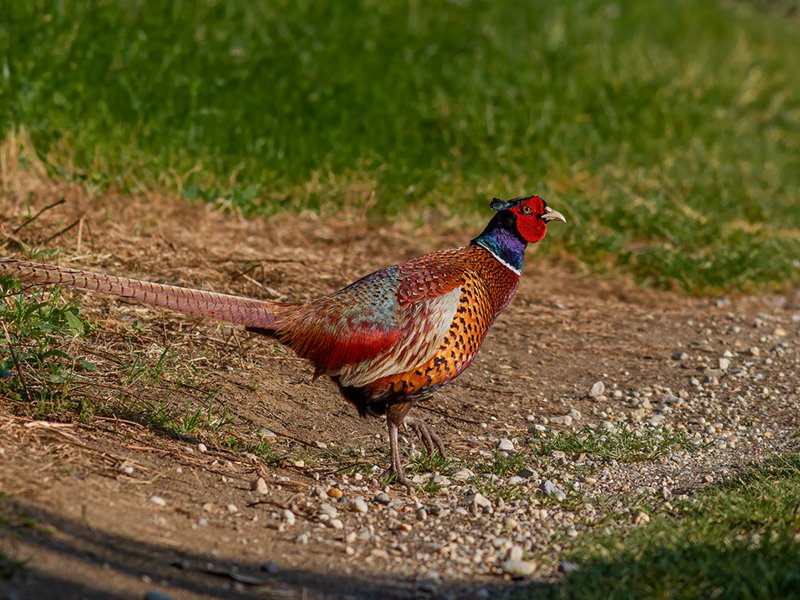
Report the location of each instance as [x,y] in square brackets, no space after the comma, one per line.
[77,496]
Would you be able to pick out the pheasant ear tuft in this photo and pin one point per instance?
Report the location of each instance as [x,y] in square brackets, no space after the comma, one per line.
[498,204]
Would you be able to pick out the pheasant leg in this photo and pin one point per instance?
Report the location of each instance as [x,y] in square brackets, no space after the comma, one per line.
[394,450]
[427,436]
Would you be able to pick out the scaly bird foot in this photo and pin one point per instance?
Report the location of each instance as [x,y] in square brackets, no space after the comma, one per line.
[428,437]
[396,470]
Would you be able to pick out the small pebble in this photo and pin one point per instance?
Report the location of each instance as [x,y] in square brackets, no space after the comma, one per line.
[359,505]
[551,489]
[288,516]
[597,389]
[519,568]
[259,486]
[202,447]
[462,475]
[478,502]
[335,493]
[158,500]
[505,445]
[327,509]
[270,567]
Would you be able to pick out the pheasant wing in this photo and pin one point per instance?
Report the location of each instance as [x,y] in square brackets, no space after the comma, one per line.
[386,323]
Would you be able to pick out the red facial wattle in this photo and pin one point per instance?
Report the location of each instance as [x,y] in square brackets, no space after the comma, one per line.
[530,224]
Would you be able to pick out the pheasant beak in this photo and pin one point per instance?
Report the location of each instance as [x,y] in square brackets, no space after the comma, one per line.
[552,215]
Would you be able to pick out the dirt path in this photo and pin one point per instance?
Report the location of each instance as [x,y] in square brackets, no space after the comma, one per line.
[116,507]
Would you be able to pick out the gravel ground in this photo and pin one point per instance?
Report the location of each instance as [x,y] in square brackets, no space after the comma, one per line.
[592,402]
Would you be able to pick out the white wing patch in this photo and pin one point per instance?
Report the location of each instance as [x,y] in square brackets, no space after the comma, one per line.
[424,325]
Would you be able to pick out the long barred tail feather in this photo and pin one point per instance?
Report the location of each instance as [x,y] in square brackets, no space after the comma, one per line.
[252,313]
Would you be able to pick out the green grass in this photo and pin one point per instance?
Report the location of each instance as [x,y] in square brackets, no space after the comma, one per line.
[738,540]
[43,376]
[37,373]
[494,490]
[422,462]
[263,449]
[621,444]
[667,132]
[502,465]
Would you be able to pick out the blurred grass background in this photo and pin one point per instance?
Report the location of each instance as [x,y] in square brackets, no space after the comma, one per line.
[667,132]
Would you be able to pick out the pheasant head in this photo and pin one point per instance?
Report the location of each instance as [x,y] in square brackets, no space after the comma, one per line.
[518,222]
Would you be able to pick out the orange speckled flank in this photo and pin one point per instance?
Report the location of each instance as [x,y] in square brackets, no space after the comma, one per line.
[486,288]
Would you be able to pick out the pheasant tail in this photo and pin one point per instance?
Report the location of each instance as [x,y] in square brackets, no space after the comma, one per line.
[257,314]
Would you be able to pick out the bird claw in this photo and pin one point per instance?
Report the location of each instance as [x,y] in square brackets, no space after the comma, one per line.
[428,437]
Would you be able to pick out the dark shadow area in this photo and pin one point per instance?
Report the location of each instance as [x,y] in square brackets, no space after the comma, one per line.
[39,584]
[178,572]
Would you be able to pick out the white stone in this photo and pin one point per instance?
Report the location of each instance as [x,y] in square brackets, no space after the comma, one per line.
[462,475]
[260,486]
[359,505]
[505,445]
[519,568]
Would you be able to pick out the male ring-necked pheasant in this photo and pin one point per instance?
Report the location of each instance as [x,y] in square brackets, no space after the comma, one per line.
[387,340]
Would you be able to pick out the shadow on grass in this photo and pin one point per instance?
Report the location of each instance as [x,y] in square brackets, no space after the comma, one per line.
[738,539]
[768,571]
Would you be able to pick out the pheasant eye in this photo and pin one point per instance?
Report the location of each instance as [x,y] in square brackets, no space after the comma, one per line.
[526,210]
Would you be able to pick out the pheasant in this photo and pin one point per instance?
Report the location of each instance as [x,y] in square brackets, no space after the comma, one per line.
[387,340]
